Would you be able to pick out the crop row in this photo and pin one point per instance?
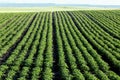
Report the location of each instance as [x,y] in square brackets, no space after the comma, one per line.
[62,45]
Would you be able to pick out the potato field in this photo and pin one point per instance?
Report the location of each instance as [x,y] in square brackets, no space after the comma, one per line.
[60,45]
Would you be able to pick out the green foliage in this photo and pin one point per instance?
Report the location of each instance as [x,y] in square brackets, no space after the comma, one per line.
[86,45]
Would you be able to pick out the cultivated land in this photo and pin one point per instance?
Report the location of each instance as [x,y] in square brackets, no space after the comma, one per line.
[46,9]
[60,45]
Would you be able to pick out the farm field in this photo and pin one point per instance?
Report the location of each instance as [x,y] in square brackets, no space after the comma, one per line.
[60,45]
[46,9]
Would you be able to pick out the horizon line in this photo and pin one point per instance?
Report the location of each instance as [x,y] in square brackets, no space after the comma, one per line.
[64,4]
